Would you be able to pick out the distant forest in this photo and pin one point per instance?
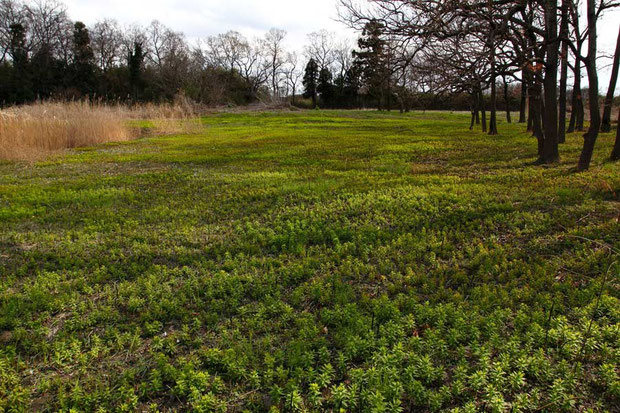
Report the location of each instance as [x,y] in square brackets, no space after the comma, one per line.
[46,56]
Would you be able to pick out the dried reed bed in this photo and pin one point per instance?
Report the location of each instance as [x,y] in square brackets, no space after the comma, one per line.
[30,132]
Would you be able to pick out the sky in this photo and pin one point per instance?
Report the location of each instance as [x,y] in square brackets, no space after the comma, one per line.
[201,18]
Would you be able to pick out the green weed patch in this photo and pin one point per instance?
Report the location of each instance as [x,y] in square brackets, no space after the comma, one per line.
[312,261]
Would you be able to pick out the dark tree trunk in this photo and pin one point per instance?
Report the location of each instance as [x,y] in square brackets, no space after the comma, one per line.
[389,95]
[615,154]
[493,117]
[573,114]
[577,111]
[483,109]
[528,79]
[595,111]
[507,101]
[563,73]
[581,113]
[536,110]
[550,118]
[523,105]
[474,110]
[609,99]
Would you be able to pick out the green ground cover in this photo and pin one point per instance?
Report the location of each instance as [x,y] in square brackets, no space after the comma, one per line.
[312,261]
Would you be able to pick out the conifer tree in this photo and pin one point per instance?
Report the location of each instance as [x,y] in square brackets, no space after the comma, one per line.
[21,84]
[311,80]
[325,87]
[83,59]
[136,61]
[371,58]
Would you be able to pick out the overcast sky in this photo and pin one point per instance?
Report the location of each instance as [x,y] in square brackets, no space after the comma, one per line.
[201,18]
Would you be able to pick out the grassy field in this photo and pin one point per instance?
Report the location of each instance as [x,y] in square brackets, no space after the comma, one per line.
[312,261]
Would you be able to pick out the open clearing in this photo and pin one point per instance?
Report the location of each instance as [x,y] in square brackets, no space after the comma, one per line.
[312,261]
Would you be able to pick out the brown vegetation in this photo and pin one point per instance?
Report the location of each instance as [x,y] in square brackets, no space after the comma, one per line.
[30,132]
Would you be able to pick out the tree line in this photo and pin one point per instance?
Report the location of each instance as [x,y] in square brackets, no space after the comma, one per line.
[44,55]
[472,47]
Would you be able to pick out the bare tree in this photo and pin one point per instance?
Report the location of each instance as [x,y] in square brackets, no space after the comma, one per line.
[343,57]
[577,109]
[156,34]
[609,99]
[106,40]
[49,26]
[133,35]
[563,72]
[11,12]
[293,75]
[226,50]
[322,48]
[594,10]
[275,54]
[254,67]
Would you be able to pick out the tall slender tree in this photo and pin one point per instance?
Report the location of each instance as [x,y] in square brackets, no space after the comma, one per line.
[310,81]
[325,87]
[595,110]
[371,57]
[609,99]
[83,59]
[21,83]
[136,62]
[550,119]
[563,73]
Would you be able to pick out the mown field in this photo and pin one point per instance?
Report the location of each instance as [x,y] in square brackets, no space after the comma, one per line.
[312,261]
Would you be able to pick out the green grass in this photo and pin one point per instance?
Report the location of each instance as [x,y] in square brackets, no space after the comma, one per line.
[312,261]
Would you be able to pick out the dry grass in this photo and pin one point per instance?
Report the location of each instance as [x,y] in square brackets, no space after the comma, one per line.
[28,132]
[32,131]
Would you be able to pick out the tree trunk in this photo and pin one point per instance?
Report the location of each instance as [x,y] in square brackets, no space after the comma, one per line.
[474,110]
[615,154]
[483,110]
[563,73]
[595,110]
[550,118]
[536,111]
[507,101]
[609,99]
[523,106]
[493,118]
[530,97]
[577,112]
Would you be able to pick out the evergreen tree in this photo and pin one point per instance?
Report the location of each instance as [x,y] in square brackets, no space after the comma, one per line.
[372,60]
[83,59]
[49,74]
[352,85]
[325,87]
[311,80]
[21,84]
[135,62]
